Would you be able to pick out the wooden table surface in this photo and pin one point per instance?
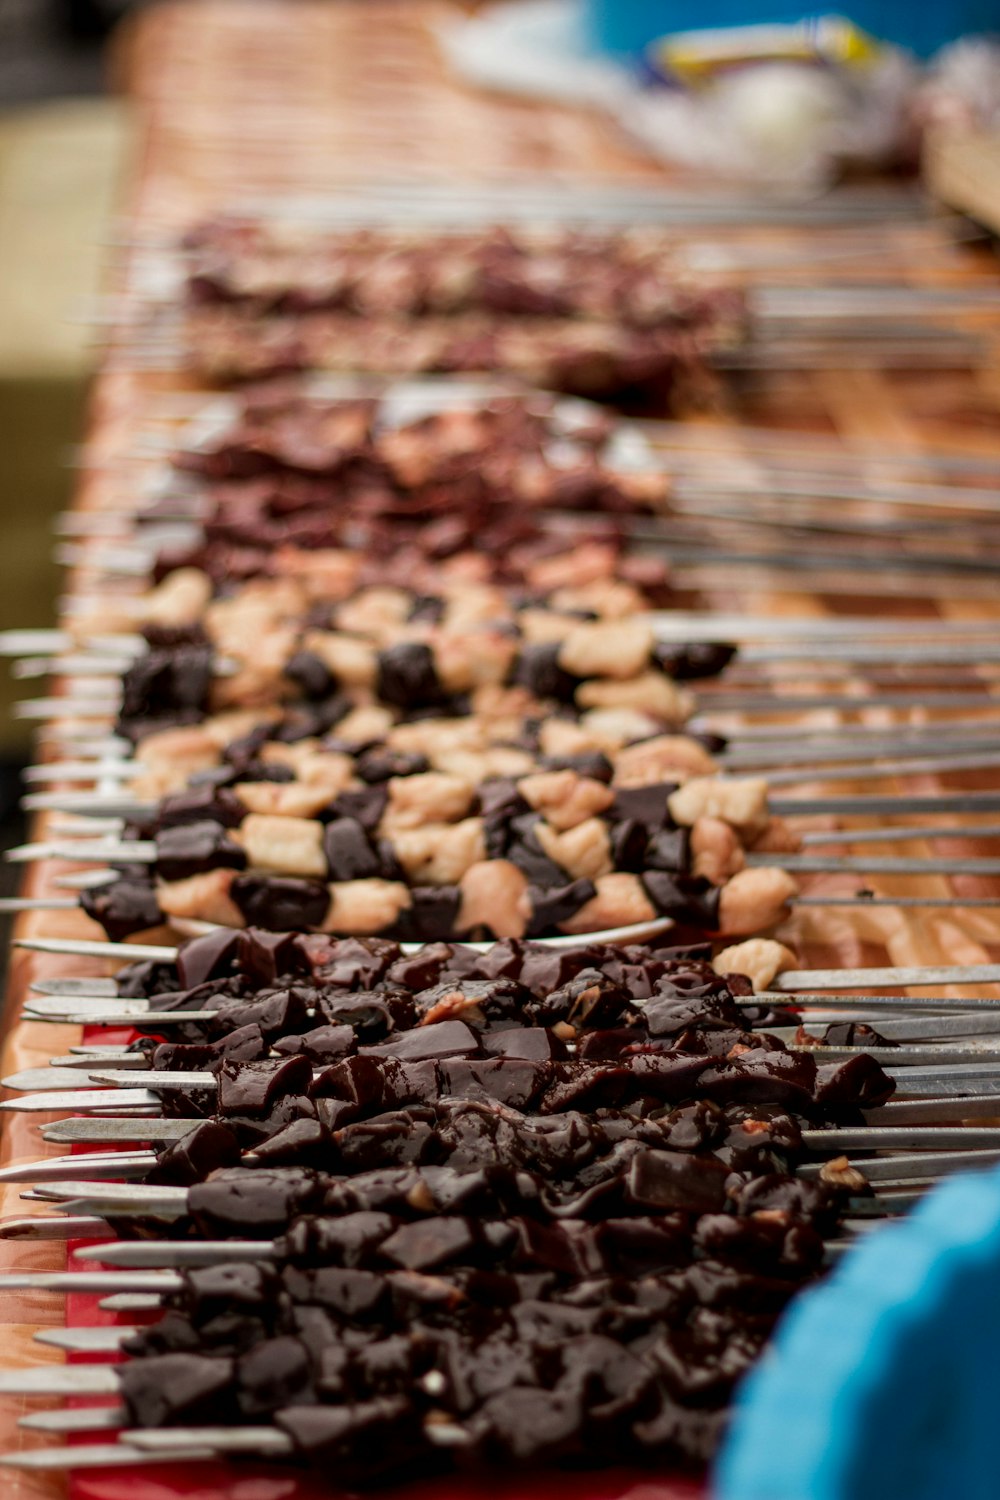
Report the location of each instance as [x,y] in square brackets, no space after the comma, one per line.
[237,98]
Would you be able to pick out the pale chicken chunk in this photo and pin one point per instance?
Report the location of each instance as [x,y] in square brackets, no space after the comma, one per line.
[478,766]
[503,707]
[611,728]
[741,801]
[583,851]
[284,597]
[288,846]
[620,901]
[716,850]
[253,613]
[754,900]
[352,660]
[429,797]
[668,757]
[260,680]
[277,753]
[329,770]
[613,648]
[374,612]
[760,959]
[232,725]
[505,733]
[608,597]
[181,751]
[468,605]
[440,854]
[565,798]
[157,782]
[471,659]
[179,600]
[361,908]
[246,626]
[326,574]
[364,724]
[560,737]
[542,626]
[493,893]
[462,567]
[201,897]
[271,651]
[282,799]
[428,736]
[570,569]
[648,693]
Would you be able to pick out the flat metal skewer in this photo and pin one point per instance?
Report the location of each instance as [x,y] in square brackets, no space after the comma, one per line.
[877,648]
[74,1419]
[804,980]
[814,749]
[143,852]
[860,805]
[681,626]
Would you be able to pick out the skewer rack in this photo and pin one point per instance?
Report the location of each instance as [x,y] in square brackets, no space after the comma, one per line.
[242,100]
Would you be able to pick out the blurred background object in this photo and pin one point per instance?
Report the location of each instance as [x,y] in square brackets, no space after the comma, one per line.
[52,48]
[628,26]
[756,93]
[960,104]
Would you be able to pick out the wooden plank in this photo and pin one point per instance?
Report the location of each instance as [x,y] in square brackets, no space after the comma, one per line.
[962,169]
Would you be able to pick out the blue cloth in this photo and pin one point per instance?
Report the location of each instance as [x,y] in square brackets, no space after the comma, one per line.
[882,1384]
[625,27]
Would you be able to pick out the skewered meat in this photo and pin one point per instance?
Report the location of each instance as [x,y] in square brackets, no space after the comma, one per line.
[525,272]
[760,959]
[598,359]
[259,654]
[421,804]
[596,314]
[459,1218]
[386,854]
[753,900]
[303,486]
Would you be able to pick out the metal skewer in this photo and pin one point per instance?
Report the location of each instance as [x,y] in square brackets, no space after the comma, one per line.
[808,981]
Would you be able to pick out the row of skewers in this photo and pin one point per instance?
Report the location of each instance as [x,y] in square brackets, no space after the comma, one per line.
[479,1118]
